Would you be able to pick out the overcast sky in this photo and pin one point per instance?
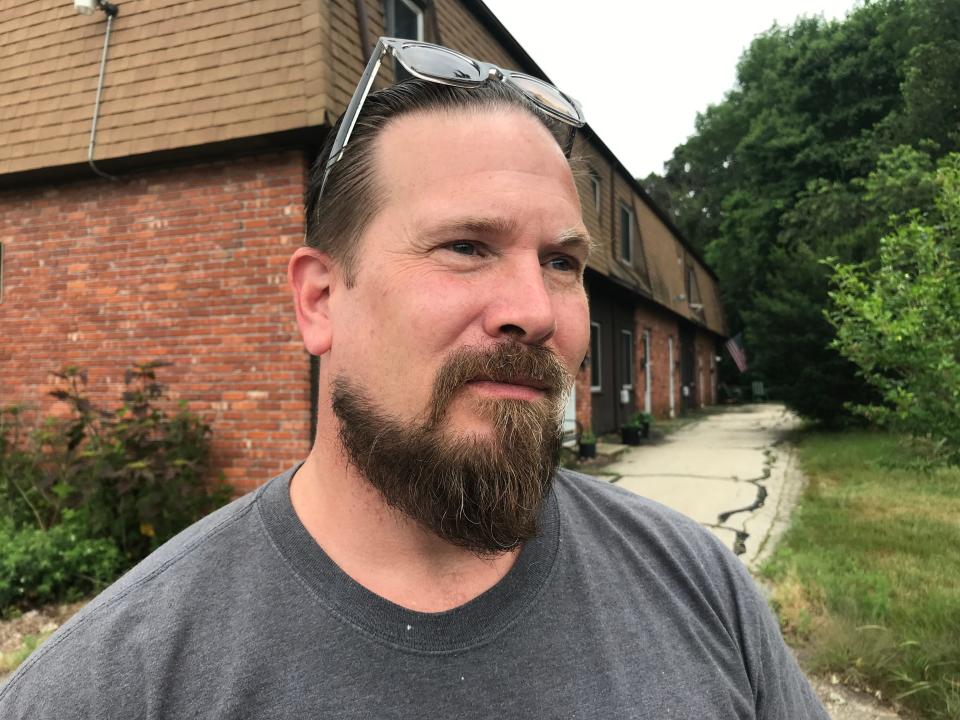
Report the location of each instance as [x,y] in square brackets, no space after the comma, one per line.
[643,69]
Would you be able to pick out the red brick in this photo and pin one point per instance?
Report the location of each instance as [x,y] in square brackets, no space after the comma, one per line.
[157,266]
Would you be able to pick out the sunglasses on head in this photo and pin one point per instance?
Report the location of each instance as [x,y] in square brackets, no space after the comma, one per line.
[448,67]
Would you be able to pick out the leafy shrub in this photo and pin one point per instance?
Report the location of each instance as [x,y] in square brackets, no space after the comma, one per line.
[638,420]
[898,320]
[112,485]
[55,565]
[142,476]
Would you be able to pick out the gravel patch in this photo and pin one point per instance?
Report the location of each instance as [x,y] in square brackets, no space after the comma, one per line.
[845,703]
[34,622]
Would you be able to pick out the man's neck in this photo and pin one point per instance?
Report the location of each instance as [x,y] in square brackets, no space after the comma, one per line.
[381,549]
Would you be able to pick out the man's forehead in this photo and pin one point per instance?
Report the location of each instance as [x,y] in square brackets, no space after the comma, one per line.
[434,144]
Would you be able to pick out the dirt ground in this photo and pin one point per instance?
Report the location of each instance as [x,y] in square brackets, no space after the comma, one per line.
[34,622]
[844,703]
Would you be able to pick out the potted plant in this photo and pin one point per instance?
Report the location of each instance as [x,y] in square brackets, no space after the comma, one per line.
[630,431]
[637,427]
[644,419]
[587,444]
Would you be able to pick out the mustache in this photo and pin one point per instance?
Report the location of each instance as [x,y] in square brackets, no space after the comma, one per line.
[507,362]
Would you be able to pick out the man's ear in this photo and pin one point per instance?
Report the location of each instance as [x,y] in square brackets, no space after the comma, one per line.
[312,275]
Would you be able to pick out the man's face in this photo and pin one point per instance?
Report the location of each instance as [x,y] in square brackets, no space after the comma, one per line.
[478,253]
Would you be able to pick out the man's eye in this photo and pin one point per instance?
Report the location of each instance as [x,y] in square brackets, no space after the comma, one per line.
[564,264]
[464,248]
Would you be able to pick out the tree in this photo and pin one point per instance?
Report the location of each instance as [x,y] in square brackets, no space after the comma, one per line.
[898,319]
[833,127]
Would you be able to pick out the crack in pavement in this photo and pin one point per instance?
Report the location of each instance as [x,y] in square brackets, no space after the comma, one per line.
[722,465]
[740,542]
[755,505]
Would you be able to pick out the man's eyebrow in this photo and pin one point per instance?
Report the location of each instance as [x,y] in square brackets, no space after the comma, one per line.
[474,225]
[576,237]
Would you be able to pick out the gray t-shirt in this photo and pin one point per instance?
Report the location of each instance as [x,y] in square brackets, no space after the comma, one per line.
[621,609]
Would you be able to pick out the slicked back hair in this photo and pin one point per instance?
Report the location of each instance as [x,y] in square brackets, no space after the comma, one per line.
[353,194]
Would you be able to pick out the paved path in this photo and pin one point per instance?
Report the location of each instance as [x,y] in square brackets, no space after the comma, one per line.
[734,472]
[731,471]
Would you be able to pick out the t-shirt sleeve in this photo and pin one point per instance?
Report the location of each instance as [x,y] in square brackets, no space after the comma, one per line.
[74,677]
[782,690]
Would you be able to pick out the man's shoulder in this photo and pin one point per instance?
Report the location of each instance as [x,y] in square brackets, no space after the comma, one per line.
[223,532]
[624,529]
[142,608]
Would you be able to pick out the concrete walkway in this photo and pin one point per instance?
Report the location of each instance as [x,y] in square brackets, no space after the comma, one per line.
[730,471]
[733,472]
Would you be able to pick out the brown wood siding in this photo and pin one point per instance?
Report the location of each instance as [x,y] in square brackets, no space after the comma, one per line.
[667,261]
[665,256]
[182,73]
[597,220]
[178,74]
[634,273]
[710,297]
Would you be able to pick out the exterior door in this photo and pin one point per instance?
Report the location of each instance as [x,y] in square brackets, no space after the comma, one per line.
[612,359]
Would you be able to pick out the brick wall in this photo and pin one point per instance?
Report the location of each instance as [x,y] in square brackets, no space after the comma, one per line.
[662,326]
[186,265]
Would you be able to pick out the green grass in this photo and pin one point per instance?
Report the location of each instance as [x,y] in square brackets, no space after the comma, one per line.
[867,579]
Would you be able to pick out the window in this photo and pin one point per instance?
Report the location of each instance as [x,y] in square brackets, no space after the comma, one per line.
[595,186]
[626,233]
[626,357]
[403,19]
[595,378]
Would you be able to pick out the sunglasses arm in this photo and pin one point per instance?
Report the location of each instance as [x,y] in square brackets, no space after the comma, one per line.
[351,114]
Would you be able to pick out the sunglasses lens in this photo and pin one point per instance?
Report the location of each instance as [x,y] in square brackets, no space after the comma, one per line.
[546,95]
[439,62]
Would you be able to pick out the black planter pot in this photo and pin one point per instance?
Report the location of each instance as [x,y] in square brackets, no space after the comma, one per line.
[588,450]
[645,430]
[630,435]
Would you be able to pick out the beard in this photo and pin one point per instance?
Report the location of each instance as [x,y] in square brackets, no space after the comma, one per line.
[483,494]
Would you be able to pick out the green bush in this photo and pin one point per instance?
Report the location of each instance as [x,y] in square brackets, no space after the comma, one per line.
[638,420]
[56,565]
[898,320]
[118,482]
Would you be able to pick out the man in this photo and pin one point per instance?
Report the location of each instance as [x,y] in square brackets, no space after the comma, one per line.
[427,559]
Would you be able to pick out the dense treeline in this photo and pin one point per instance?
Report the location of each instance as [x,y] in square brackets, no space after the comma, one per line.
[829,141]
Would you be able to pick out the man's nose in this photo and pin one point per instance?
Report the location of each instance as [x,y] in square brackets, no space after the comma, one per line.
[521,305]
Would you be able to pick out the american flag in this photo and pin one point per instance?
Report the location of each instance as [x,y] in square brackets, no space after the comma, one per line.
[735,347]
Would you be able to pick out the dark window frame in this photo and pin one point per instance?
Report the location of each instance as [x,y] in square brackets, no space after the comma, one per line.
[390,18]
[596,358]
[630,226]
[629,357]
[595,181]
[390,28]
